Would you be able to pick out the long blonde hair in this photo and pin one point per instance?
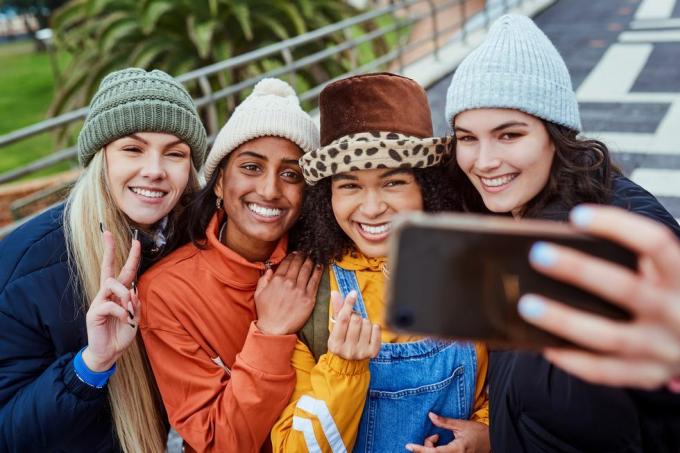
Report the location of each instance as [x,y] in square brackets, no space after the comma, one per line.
[136,406]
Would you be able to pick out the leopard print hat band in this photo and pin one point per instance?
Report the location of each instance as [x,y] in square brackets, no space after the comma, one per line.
[369,150]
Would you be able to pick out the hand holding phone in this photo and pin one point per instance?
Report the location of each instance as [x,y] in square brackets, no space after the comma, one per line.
[644,352]
[461,276]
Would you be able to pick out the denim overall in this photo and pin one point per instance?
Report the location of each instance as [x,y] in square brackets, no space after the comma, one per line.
[407,381]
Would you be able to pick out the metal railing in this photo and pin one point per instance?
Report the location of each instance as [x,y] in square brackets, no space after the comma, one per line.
[407,14]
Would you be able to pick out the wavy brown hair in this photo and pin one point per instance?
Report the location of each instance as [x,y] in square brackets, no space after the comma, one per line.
[581,172]
[318,234]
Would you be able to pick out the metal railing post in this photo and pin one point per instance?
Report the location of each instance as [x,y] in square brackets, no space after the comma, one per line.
[435,33]
[211,109]
[463,15]
[289,60]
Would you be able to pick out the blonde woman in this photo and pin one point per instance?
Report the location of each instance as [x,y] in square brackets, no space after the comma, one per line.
[73,375]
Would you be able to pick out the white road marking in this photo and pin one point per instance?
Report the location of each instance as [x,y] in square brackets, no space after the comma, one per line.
[655,9]
[650,36]
[661,183]
[655,23]
[607,80]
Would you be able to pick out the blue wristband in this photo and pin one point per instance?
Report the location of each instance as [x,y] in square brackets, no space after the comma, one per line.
[91,378]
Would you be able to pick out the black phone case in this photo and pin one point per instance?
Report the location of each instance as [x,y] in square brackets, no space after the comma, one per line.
[466,284]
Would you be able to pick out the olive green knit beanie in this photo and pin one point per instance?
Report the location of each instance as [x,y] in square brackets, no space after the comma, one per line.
[134,100]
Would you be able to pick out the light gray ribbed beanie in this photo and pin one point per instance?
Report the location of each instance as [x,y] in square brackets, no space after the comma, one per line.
[135,100]
[516,67]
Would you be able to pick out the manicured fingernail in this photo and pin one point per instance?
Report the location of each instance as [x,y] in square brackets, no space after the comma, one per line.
[352,294]
[135,234]
[131,325]
[101,227]
[543,254]
[130,311]
[530,306]
[581,216]
[409,447]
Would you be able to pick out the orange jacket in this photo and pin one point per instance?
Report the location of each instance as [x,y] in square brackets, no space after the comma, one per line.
[223,382]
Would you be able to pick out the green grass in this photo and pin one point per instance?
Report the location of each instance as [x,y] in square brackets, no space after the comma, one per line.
[26,90]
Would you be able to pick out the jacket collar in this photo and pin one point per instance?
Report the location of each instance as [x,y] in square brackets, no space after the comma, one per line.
[230,267]
[357,261]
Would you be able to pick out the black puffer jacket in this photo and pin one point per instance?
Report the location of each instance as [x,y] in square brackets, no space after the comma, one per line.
[536,407]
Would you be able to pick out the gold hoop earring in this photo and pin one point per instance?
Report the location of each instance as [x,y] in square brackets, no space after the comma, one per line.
[218,203]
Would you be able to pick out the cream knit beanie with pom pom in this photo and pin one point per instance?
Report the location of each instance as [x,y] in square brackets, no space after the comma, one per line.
[272,109]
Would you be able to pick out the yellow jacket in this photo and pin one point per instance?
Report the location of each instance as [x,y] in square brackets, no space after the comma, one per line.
[334,389]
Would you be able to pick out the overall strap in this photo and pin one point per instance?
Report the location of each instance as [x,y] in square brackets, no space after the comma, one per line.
[347,281]
[314,334]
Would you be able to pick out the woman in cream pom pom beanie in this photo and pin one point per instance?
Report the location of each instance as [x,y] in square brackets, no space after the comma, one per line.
[221,312]
[272,109]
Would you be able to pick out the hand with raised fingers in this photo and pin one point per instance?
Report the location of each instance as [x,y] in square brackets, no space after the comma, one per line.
[352,337]
[284,299]
[112,318]
[470,437]
[643,352]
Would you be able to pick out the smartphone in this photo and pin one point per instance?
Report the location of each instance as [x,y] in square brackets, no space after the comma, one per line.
[461,275]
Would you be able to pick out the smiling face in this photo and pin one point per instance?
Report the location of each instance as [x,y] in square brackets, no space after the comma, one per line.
[506,154]
[147,174]
[365,201]
[262,188]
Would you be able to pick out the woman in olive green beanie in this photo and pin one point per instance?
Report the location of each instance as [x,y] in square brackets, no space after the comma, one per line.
[141,146]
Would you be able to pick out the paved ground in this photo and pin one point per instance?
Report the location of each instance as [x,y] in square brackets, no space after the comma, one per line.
[623,56]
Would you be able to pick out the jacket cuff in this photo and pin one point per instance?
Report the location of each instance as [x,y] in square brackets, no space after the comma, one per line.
[343,366]
[91,378]
[268,353]
[77,387]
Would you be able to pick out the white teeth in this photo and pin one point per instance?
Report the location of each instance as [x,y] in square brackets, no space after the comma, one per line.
[497,182]
[147,193]
[375,229]
[265,212]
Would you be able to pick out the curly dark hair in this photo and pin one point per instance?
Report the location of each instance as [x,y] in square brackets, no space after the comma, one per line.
[581,172]
[318,234]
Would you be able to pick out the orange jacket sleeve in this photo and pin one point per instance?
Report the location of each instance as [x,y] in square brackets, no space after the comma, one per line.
[211,407]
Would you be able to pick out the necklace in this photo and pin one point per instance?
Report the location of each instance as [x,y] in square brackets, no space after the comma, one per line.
[221,233]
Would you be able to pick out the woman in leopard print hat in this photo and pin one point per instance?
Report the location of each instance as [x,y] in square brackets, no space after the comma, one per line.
[377,158]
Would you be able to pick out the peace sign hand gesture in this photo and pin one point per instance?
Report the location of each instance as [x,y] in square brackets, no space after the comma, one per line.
[112,317]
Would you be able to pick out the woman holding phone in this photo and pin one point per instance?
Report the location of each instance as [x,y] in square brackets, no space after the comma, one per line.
[621,353]
[518,153]
[220,313]
[362,387]
[72,375]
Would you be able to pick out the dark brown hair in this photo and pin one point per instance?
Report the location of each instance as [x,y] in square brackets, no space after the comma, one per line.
[319,235]
[581,172]
[200,210]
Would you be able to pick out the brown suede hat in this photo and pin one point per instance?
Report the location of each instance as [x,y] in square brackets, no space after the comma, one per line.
[370,121]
